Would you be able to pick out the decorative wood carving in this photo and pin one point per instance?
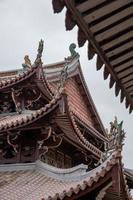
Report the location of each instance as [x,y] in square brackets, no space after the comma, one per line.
[32,96]
[6,103]
[45,135]
[17,99]
[49,140]
[10,140]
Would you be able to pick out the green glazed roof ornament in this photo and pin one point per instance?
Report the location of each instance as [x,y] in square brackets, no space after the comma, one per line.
[116,137]
[72,48]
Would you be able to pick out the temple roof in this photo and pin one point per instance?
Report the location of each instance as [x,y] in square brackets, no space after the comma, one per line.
[71,112]
[78,104]
[41,181]
[107,25]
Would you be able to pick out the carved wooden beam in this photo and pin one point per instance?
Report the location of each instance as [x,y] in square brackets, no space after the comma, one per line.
[17,99]
[49,140]
[11,138]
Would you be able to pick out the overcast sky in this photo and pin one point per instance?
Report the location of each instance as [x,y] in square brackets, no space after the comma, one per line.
[24,22]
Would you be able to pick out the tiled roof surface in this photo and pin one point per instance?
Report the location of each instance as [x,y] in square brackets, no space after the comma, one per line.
[29,185]
[35,184]
[77,102]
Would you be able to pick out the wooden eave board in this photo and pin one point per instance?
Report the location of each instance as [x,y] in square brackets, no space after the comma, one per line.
[108,25]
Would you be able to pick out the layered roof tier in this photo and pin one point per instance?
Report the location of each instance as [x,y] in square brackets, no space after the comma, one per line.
[70,101]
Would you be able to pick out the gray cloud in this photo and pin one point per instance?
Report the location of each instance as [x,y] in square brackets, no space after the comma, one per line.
[23,23]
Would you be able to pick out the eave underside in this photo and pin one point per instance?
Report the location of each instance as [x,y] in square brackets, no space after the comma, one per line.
[107,25]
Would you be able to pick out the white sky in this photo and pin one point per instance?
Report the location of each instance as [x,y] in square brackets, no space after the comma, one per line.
[24,22]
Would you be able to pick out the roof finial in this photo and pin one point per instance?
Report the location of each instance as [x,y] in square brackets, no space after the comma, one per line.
[27,63]
[38,60]
[115,142]
[72,50]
